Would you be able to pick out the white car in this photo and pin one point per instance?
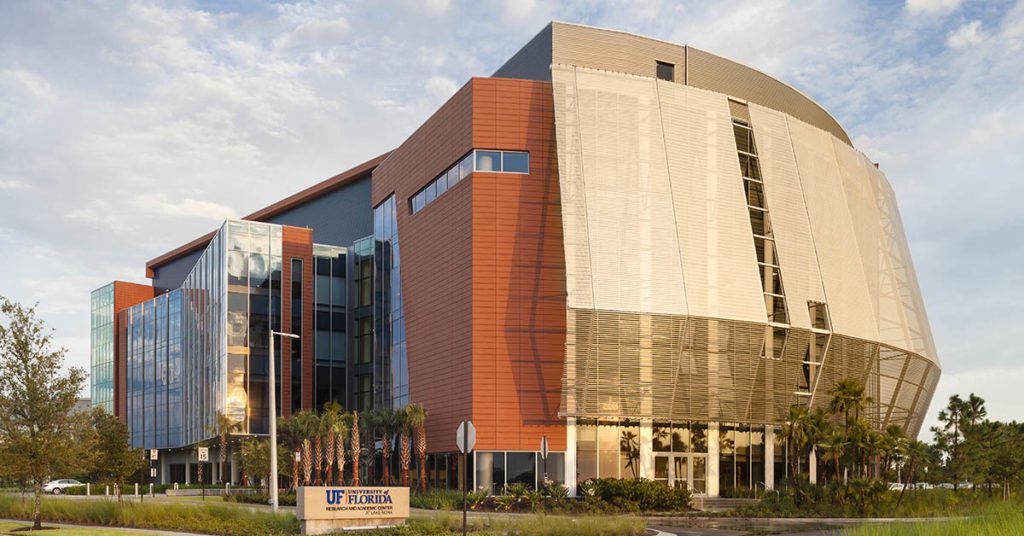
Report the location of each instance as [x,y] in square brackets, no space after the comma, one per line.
[57,487]
[923,485]
[896,486]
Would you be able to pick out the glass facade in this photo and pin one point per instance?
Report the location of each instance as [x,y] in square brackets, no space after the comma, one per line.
[494,470]
[154,365]
[101,348]
[329,294]
[391,373]
[361,369]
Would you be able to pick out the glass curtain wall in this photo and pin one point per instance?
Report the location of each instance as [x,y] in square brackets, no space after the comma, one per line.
[362,308]
[101,348]
[391,375]
[741,458]
[153,331]
[329,349]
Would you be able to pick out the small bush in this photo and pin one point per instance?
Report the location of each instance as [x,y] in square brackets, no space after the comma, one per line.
[646,495]
[437,499]
[284,499]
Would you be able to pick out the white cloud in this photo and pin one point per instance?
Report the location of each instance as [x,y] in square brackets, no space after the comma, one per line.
[966,35]
[436,7]
[13,184]
[932,7]
[159,204]
[440,87]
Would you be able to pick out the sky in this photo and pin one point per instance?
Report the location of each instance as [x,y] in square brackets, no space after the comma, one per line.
[129,128]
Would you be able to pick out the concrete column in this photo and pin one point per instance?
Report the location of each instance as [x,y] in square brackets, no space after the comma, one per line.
[769,457]
[164,467]
[570,456]
[188,468]
[235,469]
[646,449]
[812,471]
[712,459]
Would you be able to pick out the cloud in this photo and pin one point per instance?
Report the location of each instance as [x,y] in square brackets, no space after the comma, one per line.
[159,204]
[932,7]
[13,184]
[440,87]
[126,129]
[966,35]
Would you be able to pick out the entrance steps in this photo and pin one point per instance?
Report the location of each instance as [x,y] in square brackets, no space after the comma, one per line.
[720,504]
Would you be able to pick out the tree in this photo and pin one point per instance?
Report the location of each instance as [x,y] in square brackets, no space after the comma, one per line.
[256,459]
[36,399]
[949,437]
[307,425]
[834,444]
[848,396]
[340,429]
[224,427]
[289,433]
[796,428]
[371,425]
[404,452]
[418,422]
[115,460]
[917,454]
[388,427]
[356,447]
[328,419]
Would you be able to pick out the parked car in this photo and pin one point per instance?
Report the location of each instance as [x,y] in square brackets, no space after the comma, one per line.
[944,485]
[923,485]
[57,487]
[896,486]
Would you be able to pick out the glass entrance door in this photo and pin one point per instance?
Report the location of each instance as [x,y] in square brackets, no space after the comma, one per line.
[680,470]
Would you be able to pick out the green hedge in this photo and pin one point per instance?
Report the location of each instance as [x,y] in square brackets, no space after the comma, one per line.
[283,499]
[222,520]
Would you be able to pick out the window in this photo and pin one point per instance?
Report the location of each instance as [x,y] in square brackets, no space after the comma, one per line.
[515,162]
[666,71]
[488,161]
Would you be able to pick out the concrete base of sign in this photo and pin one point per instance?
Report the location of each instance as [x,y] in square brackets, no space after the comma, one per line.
[327,526]
[323,510]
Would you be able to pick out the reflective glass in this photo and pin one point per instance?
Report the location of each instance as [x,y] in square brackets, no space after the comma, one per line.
[515,162]
[488,161]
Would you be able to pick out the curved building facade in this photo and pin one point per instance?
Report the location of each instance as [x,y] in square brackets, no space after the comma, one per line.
[639,252]
[728,255]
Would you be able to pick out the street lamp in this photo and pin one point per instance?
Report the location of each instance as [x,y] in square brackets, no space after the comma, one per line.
[273,418]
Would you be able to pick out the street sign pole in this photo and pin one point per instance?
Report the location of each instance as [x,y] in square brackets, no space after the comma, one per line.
[465,439]
[544,456]
[465,476]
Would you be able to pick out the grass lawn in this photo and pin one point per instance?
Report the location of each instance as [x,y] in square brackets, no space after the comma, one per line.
[989,520]
[7,527]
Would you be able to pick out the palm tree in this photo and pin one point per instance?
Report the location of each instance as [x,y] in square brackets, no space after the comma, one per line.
[307,425]
[290,434]
[848,396]
[388,425]
[356,447]
[834,444]
[371,426]
[340,429]
[917,454]
[893,441]
[330,416]
[224,427]
[404,452]
[795,429]
[417,422]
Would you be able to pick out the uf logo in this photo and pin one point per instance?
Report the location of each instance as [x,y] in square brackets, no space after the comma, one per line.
[335,496]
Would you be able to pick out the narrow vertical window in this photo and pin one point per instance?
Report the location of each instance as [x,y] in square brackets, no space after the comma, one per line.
[666,71]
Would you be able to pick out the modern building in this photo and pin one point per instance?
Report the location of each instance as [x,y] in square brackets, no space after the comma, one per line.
[644,252]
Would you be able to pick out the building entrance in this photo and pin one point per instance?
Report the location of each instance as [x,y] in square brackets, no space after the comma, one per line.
[680,470]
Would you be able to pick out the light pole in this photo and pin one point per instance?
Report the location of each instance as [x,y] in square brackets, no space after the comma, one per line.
[273,418]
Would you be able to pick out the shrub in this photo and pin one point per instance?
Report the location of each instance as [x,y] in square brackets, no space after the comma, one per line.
[533,525]
[437,499]
[207,519]
[284,499]
[647,495]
